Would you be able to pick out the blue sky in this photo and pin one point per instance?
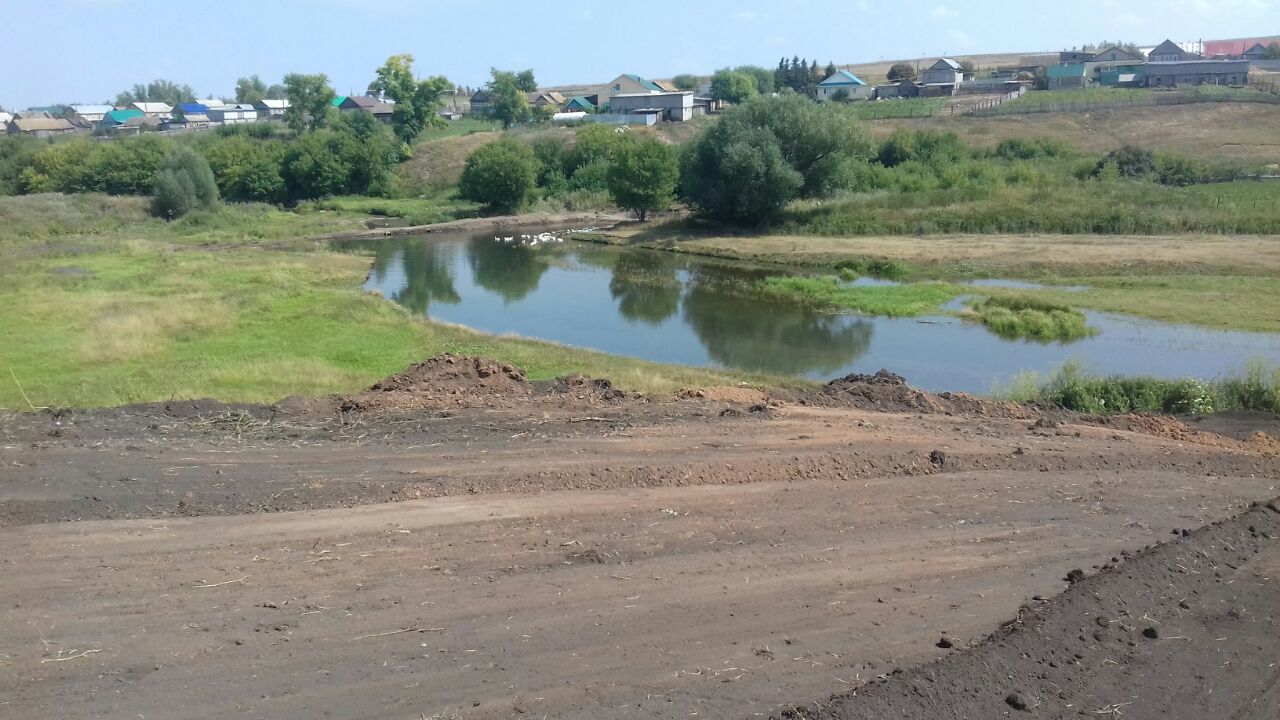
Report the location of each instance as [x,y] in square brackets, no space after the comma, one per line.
[88,50]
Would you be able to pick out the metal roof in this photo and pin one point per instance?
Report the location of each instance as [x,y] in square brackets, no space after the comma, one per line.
[39,124]
[651,86]
[653,94]
[1065,71]
[92,109]
[120,116]
[193,108]
[272,104]
[153,107]
[1164,69]
[949,63]
[842,77]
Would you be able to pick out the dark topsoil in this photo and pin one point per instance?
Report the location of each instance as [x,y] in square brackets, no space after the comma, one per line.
[1182,630]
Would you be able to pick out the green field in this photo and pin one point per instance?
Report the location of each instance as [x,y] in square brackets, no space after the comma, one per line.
[1100,98]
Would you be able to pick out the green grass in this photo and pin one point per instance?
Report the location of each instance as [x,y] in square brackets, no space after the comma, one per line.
[907,108]
[151,311]
[1098,98]
[434,207]
[1022,316]
[455,128]
[1255,387]
[907,300]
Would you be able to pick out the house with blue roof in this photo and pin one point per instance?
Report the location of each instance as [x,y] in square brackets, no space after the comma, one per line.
[852,85]
[192,108]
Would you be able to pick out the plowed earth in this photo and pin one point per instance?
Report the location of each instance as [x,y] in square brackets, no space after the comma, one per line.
[459,542]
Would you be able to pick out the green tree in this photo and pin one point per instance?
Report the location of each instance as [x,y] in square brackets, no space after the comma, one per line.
[840,95]
[129,166]
[685,81]
[250,89]
[316,164]
[1273,50]
[526,82]
[163,91]
[417,102]
[591,143]
[831,70]
[508,103]
[643,175]
[501,175]
[902,71]
[183,183]
[736,173]
[763,78]
[818,141]
[733,87]
[310,101]
[277,92]
[247,170]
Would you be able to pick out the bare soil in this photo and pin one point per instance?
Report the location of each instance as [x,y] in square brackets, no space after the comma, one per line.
[457,541]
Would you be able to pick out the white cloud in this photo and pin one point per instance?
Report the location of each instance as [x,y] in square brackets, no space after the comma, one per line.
[943,12]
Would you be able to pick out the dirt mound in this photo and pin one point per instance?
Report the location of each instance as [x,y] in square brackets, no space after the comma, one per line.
[1121,642]
[581,387]
[739,395]
[888,392]
[444,380]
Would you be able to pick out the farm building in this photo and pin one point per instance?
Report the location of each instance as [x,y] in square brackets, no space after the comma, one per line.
[40,127]
[1071,57]
[851,84]
[1197,72]
[271,109]
[1257,52]
[543,98]
[672,107]
[1063,77]
[627,84]
[580,103]
[380,109]
[87,115]
[233,114]
[116,118]
[1117,55]
[192,121]
[945,72]
[157,110]
[902,89]
[479,102]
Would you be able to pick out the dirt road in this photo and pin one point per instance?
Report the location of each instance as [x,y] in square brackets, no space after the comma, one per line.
[566,555]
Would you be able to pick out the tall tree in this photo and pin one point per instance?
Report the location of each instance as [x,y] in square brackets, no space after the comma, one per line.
[732,86]
[763,78]
[685,81]
[164,91]
[526,82]
[902,71]
[417,101]
[831,70]
[507,102]
[643,175]
[310,99]
[250,89]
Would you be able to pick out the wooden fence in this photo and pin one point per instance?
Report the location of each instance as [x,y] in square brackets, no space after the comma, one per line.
[1152,100]
[991,103]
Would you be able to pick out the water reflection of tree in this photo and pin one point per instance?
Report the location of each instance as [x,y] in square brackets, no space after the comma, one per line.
[428,274]
[742,330]
[510,270]
[645,286]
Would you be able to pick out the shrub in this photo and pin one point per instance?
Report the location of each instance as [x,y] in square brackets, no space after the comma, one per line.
[1129,161]
[183,183]
[1179,171]
[501,175]
[591,143]
[1031,148]
[315,165]
[925,146]
[592,177]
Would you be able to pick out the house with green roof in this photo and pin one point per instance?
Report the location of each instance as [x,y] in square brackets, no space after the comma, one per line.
[852,85]
[116,118]
[579,103]
[337,101]
[1064,77]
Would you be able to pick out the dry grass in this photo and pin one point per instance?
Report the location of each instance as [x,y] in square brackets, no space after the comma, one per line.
[439,162]
[1209,131]
[125,330]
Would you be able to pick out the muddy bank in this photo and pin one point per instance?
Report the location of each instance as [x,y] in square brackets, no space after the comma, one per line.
[497,222]
[1183,630]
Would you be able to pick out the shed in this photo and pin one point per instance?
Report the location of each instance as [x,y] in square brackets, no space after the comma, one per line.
[270,109]
[40,127]
[1063,77]
[674,107]
[1197,72]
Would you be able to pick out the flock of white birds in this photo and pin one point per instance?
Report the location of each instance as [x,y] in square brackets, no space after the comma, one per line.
[541,238]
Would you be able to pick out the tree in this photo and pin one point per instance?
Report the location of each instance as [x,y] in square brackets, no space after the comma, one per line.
[250,89]
[1273,50]
[685,81]
[526,82]
[831,70]
[902,71]
[643,175]
[183,184]
[316,164]
[763,78]
[417,102]
[310,101]
[277,92]
[163,91]
[593,143]
[840,95]
[818,141]
[507,102]
[736,173]
[733,87]
[969,68]
[501,175]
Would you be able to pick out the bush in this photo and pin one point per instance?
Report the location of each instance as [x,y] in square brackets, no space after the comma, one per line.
[591,143]
[1128,161]
[315,165]
[501,175]
[247,170]
[183,183]
[924,146]
[1031,148]
[1179,171]
[592,177]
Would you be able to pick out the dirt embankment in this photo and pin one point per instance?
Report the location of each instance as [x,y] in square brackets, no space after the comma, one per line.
[598,220]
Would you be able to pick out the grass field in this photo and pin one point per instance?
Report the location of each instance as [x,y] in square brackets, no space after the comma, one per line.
[134,309]
[1100,98]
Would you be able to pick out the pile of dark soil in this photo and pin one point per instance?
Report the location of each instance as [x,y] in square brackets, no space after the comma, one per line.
[444,380]
[580,387]
[1182,630]
[887,392]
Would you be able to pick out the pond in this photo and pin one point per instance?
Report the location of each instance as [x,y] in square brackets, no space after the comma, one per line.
[689,310]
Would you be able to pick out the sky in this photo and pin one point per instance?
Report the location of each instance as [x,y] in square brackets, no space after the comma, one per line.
[86,51]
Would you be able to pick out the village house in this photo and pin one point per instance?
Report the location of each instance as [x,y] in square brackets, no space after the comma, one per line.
[269,109]
[381,110]
[1065,77]
[157,110]
[233,114]
[1071,57]
[1196,72]
[186,121]
[191,108]
[903,89]
[117,118]
[1257,52]
[942,78]
[544,98]
[1117,56]
[669,106]
[852,85]
[1169,51]
[40,127]
[580,103]
[87,115]
[5,117]
[479,102]
[627,84]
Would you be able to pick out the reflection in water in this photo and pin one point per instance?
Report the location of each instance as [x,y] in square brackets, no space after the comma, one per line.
[743,330]
[508,269]
[646,288]
[428,269]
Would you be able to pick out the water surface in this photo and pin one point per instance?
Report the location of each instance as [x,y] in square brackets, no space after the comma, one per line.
[698,311]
